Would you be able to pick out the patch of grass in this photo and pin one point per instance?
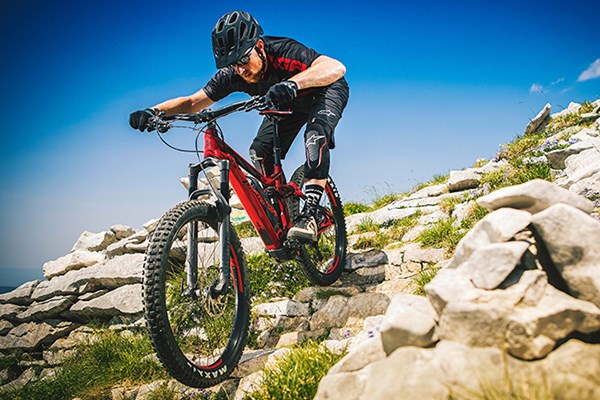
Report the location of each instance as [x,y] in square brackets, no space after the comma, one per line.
[270,278]
[379,241]
[474,214]
[447,204]
[521,145]
[297,374]
[96,367]
[352,208]
[245,230]
[441,234]
[437,179]
[366,225]
[423,278]
[514,175]
[386,233]
[384,200]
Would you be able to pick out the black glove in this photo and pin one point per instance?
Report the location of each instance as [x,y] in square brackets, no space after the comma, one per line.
[140,119]
[282,92]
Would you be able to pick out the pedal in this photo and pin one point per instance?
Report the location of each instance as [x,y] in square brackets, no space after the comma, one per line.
[292,244]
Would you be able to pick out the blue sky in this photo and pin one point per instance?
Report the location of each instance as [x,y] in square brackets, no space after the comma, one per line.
[434,86]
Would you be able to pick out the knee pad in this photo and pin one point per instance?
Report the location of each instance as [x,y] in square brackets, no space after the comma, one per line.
[317,152]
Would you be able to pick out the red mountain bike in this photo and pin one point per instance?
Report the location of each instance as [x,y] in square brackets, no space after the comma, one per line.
[195,284]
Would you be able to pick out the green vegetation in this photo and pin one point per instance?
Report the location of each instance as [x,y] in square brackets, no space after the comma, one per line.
[245,230]
[423,278]
[98,365]
[352,208]
[270,278]
[447,204]
[441,234]
[386,233]
[297,374]
[437,179]
[169,392]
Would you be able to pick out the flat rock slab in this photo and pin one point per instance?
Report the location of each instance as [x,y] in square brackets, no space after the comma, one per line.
[533,196]
[21,295]
[124,300]
[32,336]
[537,121]
[490,265]
[72,261]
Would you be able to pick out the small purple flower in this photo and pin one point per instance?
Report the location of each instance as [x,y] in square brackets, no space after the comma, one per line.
[371,334]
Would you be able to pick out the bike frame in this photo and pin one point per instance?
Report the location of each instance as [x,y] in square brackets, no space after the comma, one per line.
[233,169]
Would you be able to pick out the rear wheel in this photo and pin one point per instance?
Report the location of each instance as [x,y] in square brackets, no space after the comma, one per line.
[323,261]
[198,338]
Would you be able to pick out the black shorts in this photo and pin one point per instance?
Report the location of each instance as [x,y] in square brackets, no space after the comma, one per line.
[325,108]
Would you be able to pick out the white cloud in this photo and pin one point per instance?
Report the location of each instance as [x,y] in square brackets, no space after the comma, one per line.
[536,88]
[593,71]
[556,82]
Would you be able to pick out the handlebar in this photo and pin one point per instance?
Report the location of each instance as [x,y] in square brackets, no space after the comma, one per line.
[255,103]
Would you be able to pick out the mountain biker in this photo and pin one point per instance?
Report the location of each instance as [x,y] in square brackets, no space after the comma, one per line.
[291,76]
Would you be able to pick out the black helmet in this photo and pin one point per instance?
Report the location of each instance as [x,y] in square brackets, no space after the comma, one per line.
[233,35]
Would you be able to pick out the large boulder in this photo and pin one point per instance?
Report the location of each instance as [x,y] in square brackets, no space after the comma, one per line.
[410,320]
[498,226]
[125,300]
[572,239]
[94,241]
[533,196]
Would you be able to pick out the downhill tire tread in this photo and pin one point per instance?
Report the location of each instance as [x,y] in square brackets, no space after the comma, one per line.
[154,302]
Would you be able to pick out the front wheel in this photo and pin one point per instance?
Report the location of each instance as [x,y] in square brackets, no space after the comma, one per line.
[323,261]
[198,337]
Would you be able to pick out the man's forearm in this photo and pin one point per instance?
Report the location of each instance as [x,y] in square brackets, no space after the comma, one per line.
[324,71]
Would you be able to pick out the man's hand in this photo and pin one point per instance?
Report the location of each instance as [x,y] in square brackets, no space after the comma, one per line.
[282,92]
[139,119]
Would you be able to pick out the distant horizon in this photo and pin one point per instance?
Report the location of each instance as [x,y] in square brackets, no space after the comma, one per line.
[433,87]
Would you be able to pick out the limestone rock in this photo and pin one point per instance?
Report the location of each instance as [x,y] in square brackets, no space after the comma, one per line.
[533,196]
[76,260]
[537,121]
[333,314]
[314,292]
[123,300]
[9,312]
[490,265]
[49,309]
[251,362]
[572,108]
[578,167]
[572,238]
[371,258]
[462,180]
[533,330]
[429,191]
[498,226]
[21,295]
[32,336]
[363,354]
[123,270]
[122,231]
[94,241]
[413,252]
[151,225]
[5,327]
[410,320]
[287,308]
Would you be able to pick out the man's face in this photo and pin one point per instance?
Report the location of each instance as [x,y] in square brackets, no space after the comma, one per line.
[251,71]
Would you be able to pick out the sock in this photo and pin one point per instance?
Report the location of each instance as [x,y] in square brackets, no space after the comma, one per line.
[313,196]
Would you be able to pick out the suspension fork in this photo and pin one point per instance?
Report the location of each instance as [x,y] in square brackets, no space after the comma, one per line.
[224,212]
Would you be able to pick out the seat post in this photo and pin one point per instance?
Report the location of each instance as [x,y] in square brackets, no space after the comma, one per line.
[276,144]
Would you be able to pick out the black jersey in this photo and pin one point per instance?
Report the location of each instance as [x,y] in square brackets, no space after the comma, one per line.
[285,58]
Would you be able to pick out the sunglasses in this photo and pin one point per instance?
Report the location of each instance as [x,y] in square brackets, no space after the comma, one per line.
[245,59]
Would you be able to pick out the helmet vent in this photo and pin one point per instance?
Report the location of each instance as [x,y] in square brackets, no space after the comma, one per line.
[220,27]
[252,31]
[231,38]
[242,30]
[233,18]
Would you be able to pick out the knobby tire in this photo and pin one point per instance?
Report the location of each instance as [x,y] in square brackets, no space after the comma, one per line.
[200,340]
